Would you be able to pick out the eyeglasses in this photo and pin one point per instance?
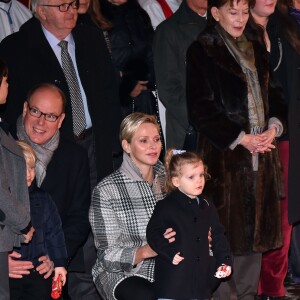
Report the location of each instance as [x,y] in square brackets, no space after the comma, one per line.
[37,114]
[64,6]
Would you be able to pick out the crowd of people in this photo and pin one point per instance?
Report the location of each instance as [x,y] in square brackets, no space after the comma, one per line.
[149,149]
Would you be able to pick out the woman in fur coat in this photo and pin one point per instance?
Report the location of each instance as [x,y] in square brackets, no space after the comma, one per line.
[238,113]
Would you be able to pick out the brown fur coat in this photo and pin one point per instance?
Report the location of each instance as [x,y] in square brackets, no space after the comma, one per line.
[247,202]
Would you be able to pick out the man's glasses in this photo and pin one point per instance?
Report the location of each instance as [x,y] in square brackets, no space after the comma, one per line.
[37,114]
[65,6]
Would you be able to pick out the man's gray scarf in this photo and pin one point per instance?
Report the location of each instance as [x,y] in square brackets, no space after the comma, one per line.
[43,152]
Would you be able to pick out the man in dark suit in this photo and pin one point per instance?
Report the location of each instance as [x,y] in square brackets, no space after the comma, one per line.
[171,41]
[35,55]
[62,170]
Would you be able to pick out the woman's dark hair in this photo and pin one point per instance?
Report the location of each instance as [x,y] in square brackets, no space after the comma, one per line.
[220,3]
[3,70]
[288,24]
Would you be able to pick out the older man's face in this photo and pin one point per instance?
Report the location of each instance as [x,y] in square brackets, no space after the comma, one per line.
[47,101]
[60,24]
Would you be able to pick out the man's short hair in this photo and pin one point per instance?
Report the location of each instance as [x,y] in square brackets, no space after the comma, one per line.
[50,86]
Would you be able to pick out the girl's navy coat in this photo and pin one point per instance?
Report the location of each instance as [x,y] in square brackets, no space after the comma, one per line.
[192,278]
[48,237]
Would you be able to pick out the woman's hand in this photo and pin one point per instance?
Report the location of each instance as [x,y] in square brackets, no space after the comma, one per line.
[144,252]
[268,137]
[170,235]
[258,143]
[139,87]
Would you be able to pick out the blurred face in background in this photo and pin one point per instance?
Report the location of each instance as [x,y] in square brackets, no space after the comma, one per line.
[232,19]
[263,8]
[84,6]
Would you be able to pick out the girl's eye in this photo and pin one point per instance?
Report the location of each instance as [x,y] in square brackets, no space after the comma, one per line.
[157,139]
[143,141]
[191,177]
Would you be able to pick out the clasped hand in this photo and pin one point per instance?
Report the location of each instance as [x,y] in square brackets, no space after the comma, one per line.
[259,143]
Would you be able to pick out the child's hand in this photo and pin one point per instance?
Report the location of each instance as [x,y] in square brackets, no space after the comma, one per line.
[62,272]
[223,271]
[177,259]
[28,236]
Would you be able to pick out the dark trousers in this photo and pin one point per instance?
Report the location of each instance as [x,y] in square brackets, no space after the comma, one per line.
[242,285]
[31,287]
[135,288]
[4,286]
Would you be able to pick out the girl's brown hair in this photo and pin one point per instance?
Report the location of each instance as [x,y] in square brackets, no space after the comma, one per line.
[174,163]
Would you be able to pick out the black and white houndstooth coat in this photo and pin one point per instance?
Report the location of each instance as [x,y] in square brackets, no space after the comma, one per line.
[122,204]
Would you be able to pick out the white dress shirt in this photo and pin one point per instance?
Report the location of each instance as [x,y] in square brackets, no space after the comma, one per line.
[53,41]
[155,12]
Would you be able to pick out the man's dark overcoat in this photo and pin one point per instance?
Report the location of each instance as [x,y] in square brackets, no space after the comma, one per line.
[248,202]
[68,182]
[31,60]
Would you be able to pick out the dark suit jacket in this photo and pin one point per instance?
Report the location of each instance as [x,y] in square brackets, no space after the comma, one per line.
[192,278]
[171,41]
[30,61]
[67,181]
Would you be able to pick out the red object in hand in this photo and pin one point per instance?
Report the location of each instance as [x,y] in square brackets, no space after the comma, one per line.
[56,288]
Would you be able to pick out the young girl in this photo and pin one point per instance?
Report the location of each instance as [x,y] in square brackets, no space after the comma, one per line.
[48,239]
[184,269]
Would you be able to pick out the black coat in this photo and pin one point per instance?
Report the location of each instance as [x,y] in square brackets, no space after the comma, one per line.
[286,62]
[171,41]
[67,181]
[131,45]
[31,60]
[217,97]
[192,278]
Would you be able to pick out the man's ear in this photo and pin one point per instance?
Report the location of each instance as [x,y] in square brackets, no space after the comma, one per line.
[175,181]
[215,13]
[25,108]
[40,11]
[126,146]
[60,120]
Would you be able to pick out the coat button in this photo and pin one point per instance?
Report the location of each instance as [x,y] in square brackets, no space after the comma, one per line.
[198,258]
[195,219]
[198,239]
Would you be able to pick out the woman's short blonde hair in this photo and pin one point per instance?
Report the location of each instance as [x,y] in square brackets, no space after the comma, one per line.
[28,152]
[132,122]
